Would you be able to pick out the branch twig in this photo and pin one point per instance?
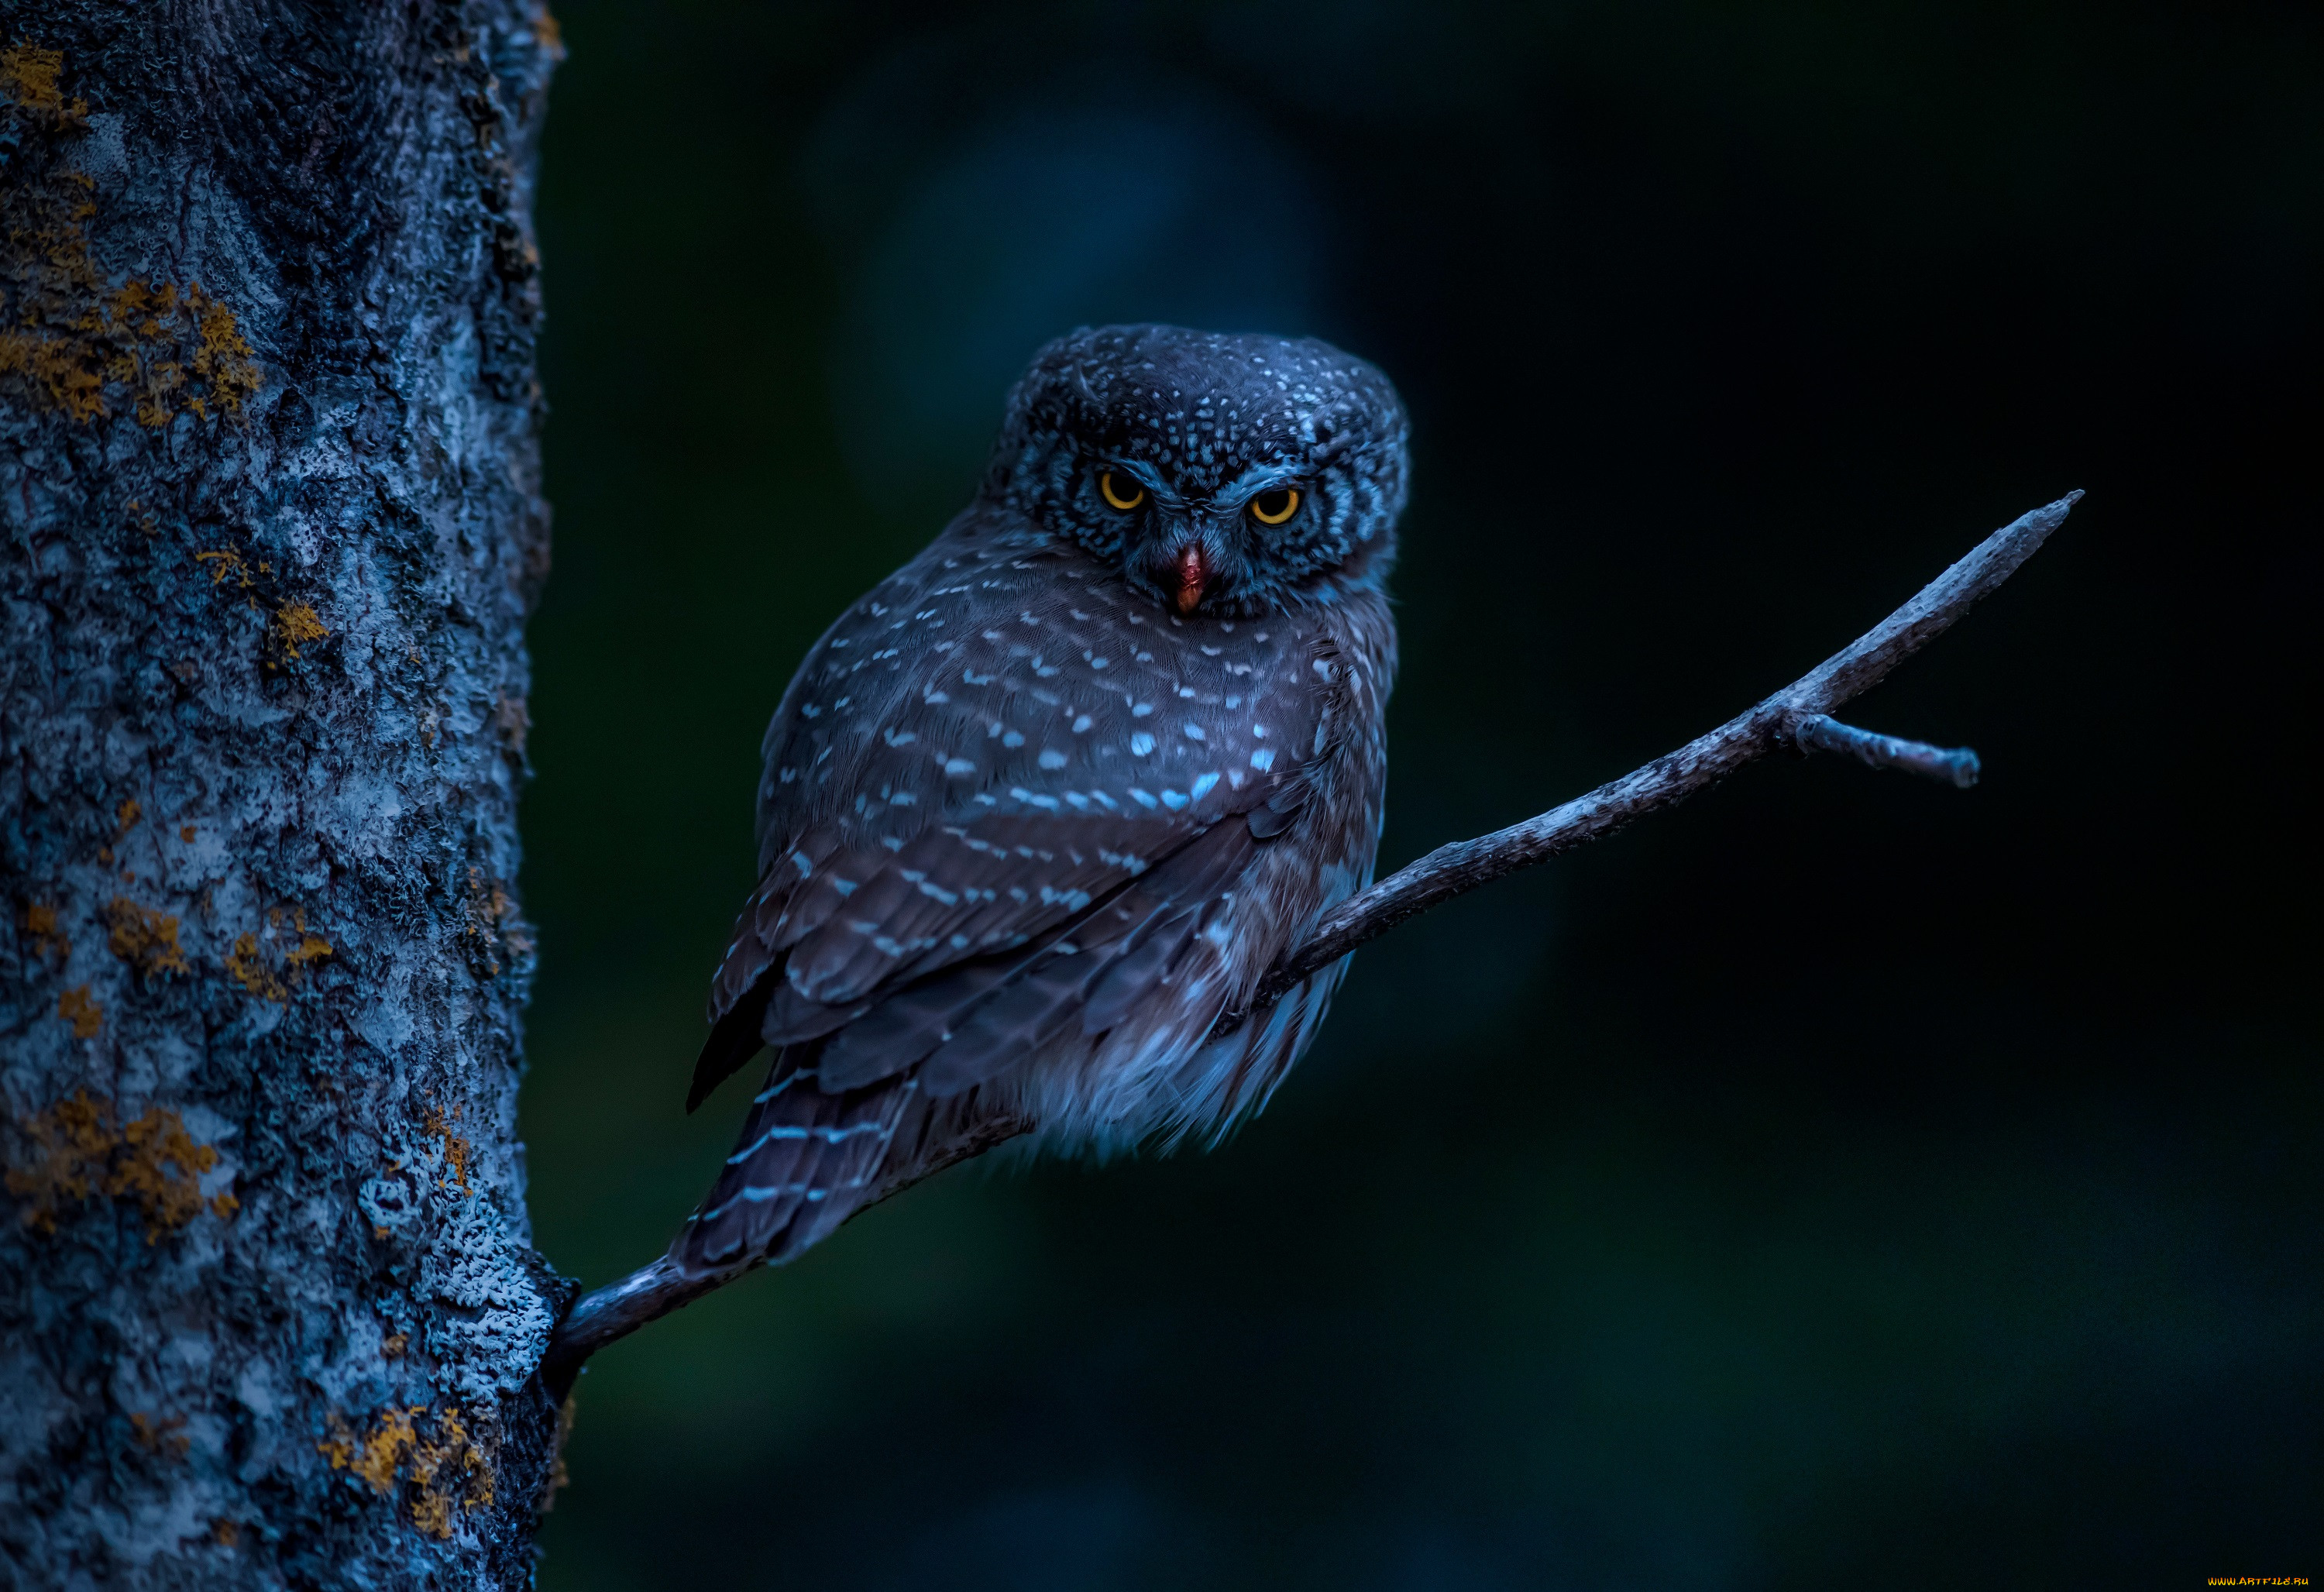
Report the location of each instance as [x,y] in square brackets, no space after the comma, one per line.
[1797,718]
[1956,766]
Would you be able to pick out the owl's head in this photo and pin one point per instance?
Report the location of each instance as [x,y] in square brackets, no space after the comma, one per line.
[1228,475]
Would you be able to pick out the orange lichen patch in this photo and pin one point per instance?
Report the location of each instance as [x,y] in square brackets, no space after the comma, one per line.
[440,1469]
[451,1470]
[226,1534]
[246,963]
[52,366]
[78,1006]
[163,1166]
[30,78]
[163,350]
[75,341]
[77,1153]
[186,832]
[40,928]
[287,628]
[221,357]
[393,1344]
[548,33]
[72,1144]
[145,939]
[225,562]
[293,623]
[380,1456]
[245,966]
[160,1437]
[127,820]
[458,1151]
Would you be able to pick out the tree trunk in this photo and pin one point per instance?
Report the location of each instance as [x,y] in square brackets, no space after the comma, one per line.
[269,1311]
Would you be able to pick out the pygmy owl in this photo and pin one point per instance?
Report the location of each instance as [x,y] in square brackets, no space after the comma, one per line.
[1047,805]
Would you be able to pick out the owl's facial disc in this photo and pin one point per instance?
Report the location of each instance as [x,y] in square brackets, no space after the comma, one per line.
[1226,476]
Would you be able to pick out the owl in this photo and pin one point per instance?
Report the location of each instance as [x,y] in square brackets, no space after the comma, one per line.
[1043,808]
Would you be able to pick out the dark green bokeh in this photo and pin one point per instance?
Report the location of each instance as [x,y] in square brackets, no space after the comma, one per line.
[1840,1182]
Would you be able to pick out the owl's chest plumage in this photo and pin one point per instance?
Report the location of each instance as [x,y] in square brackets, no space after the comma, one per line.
[1005,672]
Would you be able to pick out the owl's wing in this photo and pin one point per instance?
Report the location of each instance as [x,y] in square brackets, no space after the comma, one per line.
[1018,789]
[867,1083]
[962,921]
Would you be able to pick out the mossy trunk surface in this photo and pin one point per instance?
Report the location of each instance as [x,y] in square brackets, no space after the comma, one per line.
[270,1313]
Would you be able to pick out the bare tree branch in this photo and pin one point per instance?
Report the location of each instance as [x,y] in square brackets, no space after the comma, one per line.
[1798,718]
[619,1309]
[651,1292]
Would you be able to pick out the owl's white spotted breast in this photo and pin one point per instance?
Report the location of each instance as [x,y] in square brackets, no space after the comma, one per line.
[1004,671]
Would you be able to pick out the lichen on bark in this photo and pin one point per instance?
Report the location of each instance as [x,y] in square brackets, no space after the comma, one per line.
[269,484]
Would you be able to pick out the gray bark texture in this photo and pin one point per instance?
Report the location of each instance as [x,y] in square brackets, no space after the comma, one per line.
[270,1314]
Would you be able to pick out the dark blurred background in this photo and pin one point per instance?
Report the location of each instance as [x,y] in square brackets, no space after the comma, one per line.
[1840,1182]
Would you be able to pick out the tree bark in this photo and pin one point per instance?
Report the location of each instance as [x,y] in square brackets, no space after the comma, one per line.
[269,1311]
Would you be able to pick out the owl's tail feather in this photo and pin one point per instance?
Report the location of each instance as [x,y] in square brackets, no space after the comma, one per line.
[735,1039]
[806,1162]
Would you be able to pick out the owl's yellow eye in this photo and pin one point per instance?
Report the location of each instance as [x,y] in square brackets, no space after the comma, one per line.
[1273,508]
[1121,490]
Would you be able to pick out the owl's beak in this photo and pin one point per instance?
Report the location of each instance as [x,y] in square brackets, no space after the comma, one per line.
[1192,572]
